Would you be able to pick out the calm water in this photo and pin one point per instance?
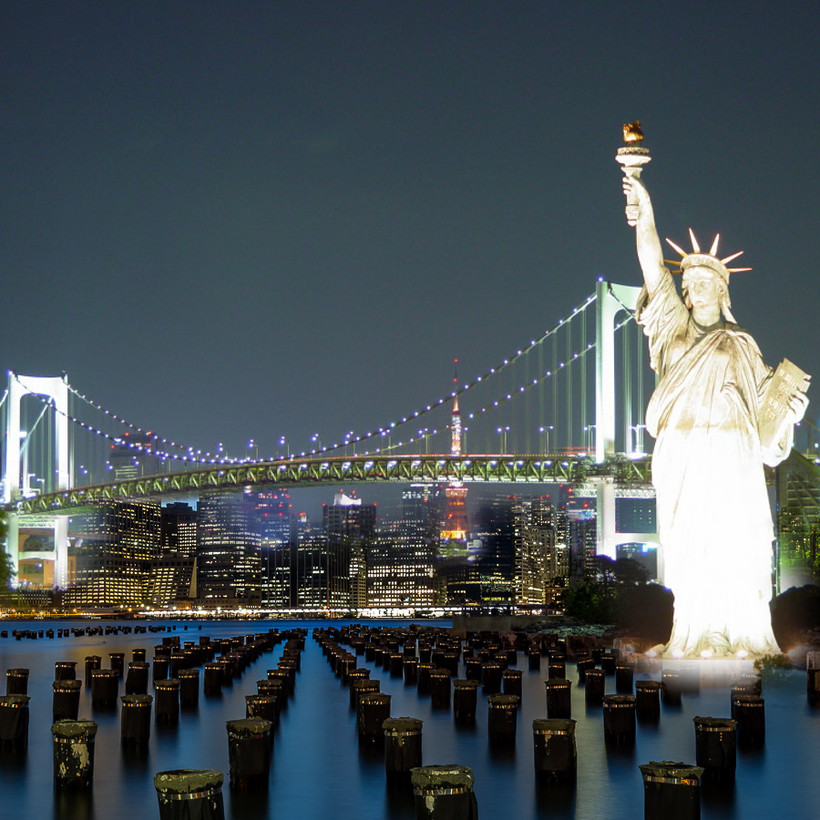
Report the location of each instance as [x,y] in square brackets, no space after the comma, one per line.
[318,771]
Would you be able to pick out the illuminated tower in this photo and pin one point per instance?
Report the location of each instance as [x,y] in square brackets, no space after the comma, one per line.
[455,493]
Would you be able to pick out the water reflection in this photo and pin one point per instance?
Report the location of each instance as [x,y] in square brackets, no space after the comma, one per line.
[555,800]
[319,769]
[73,804]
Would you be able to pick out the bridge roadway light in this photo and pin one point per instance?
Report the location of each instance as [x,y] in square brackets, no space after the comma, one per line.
[502,432]
[590,430]
[254,447]
[545,431]
[637,451]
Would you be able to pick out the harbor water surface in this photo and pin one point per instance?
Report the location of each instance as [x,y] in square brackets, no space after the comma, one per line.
[318,769]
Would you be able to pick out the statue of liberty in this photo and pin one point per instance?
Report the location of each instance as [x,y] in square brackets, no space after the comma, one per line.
[718,414]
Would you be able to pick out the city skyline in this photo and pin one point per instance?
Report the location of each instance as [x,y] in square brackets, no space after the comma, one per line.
[218,218]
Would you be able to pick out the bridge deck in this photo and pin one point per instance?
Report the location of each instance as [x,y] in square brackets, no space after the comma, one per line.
[316,471]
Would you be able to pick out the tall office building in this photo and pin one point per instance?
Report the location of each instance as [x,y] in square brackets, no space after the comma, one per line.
[179,523]
[273,516]
[228,557]
[170,581]
[133,456]
[310,576]
[541,551]
[173,572]
[496,525]
[583,542]
[349,525]
[533,536]
[111,548]
[400,563]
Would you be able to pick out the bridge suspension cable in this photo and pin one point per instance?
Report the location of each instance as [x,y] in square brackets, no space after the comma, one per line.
[536,401]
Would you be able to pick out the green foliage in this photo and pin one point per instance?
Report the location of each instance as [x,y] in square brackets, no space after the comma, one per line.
[6,566]
[773,668]
[773,662]
[589,601]
[6,569]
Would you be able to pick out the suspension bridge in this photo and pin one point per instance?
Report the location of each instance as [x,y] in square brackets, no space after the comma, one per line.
[567,407]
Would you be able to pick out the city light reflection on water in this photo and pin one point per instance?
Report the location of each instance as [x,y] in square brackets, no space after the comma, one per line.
[318,769]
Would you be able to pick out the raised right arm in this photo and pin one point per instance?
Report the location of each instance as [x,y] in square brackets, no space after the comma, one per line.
[648,243]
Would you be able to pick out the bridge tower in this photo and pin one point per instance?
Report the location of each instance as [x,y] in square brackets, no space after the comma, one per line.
[55,388]
[610,300]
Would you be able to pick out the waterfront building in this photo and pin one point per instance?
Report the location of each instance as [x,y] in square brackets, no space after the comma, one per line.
[310,576]
[133,456]
[348,525]
[111,547]
[170,581]
[228,566]
[583,545]
[274,522]
[400,563]
[179,525]
[534,543]
[495,528]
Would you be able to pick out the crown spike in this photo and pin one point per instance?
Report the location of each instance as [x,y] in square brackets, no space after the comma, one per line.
[680,250]
[713,249]
[695,246]
[738,270]
[730,258]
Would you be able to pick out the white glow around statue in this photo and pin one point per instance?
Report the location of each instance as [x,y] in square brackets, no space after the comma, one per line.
[718,414]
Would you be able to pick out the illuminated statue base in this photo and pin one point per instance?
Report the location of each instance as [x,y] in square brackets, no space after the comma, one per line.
[693,675]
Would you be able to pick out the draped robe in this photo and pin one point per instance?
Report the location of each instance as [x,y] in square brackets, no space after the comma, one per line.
[714,520]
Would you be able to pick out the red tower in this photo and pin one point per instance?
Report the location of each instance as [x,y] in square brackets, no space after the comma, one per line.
[455,521]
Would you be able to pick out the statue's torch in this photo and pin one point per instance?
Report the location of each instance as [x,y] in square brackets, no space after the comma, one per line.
[632,157]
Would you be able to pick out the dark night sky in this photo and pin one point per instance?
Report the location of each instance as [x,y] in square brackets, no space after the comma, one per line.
[234,220]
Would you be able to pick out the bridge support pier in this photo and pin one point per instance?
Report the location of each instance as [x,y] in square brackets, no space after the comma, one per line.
[12,543]
[61,552]
[610,300]
[606,540]
[59,555]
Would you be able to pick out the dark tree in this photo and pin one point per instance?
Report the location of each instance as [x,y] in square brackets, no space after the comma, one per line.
[796,613]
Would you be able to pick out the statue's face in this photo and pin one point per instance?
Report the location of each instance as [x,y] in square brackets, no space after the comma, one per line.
[703,286]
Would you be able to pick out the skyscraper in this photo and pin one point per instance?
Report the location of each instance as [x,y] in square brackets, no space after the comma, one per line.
[111,547]
[133,456]
[273,517]
[228,557]
[179,524]
[400,562]
[172,572]
[496,565]
[541,551]
[349,525]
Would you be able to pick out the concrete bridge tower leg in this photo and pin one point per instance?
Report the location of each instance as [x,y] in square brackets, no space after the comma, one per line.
[605,529]
[56,389]
[610,300]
